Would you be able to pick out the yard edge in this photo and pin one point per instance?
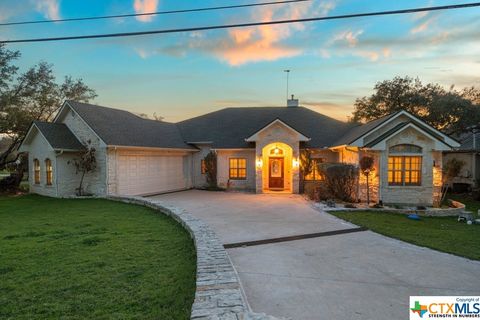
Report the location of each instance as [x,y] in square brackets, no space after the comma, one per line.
[219,294]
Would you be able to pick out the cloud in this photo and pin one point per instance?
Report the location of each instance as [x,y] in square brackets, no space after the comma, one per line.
[350,37]
[239,46]
[422,26]
[332,109]
[268,42]
[49,8]
[145,6]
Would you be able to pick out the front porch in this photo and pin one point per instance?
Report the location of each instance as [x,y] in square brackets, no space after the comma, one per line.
[277,169]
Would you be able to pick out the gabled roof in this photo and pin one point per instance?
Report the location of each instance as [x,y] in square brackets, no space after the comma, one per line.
[301,136]
[357,134]
[122,128]
[360,130]
[57,135]
[440,144]
[228,128]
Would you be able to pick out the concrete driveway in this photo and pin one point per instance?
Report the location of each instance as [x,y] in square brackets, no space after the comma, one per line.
[359,275]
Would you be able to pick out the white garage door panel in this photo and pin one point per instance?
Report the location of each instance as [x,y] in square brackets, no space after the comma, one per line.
[138,174]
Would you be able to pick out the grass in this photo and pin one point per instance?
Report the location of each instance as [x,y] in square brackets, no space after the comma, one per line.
[92,259]
[439,233]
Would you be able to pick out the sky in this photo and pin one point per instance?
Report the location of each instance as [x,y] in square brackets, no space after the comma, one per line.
[182,75]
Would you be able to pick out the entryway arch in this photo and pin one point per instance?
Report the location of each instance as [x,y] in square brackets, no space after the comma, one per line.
[277,173]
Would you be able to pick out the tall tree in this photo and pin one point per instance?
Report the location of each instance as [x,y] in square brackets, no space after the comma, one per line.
[31,95]
[450,110]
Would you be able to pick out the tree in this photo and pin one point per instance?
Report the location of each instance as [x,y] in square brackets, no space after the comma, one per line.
[87,162]
[154,117]
[306,165]
[451,169]
[366,167]
[449,110]
[211,169]
[32,95]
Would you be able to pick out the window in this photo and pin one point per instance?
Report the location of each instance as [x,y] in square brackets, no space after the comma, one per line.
[405,148]
[36,171]
[203,167]
[276,151]
[238,168]
[49,171]
[315,175]
[404,170]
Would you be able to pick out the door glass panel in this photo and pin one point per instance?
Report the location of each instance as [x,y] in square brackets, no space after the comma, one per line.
[275,169]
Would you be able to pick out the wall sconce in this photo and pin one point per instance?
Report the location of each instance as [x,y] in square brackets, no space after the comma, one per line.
[295,163]
[259,162]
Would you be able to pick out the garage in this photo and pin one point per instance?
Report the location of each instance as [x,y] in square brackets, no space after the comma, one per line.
[141,173]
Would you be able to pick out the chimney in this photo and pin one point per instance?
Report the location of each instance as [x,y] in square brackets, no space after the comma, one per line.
[292,103]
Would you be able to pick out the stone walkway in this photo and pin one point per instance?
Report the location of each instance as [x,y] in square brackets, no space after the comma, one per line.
[359,275]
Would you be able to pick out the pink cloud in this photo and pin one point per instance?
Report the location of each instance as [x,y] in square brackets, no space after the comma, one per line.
[145,6]
[422,27]
[265,43]
[49,8]
[349,36]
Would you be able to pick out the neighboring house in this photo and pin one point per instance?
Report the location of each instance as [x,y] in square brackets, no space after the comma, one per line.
[469,153]
[257,149]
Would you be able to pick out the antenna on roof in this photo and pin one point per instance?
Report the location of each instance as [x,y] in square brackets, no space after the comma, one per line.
[288,73]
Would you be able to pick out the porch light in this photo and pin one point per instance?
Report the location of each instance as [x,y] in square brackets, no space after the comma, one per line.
[276,150]
[259,162]
[295,163]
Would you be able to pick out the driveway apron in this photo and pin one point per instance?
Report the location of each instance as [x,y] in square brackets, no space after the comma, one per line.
[358,275]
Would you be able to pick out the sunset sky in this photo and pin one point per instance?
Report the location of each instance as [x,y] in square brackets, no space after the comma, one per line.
[183,75]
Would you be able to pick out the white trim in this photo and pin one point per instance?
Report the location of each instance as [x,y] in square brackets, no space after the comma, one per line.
[233,149]
[28,133]
[102,143]
[254,137]
[199,142]
[381,145]
[150,148]
[447,140]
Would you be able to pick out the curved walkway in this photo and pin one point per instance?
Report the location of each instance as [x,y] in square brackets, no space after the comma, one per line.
[218,293]
[360,275]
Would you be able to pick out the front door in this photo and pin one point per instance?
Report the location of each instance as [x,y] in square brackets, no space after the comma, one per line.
[275,175]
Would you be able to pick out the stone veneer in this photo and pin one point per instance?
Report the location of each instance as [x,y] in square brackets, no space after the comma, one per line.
[218,294]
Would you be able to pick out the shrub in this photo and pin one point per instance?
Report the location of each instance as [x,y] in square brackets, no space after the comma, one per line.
[340,180]
[211,170]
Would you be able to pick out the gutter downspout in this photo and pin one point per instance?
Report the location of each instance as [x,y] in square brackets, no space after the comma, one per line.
[56,171]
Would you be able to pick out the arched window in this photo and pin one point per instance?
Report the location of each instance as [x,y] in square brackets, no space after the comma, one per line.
[404,165]
[36,171]
[276,152]
[49,171]
[405,148]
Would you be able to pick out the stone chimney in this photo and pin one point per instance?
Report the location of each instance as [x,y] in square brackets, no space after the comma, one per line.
[292,103]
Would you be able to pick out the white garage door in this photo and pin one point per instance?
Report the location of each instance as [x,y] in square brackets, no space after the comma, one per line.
[149,174]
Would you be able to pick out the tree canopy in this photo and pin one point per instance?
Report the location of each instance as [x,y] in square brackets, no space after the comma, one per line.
[31,95]
[449,110]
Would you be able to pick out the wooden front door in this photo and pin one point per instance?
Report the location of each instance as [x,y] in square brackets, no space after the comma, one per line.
[275,173]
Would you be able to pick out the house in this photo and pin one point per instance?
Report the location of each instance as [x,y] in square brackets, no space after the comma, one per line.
[469,153]
[257,149]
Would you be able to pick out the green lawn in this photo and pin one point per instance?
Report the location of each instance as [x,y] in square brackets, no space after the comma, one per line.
[442,233]
[92,259]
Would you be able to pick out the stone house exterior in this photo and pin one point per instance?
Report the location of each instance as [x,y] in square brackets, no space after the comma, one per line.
[257,149]
[469,153]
